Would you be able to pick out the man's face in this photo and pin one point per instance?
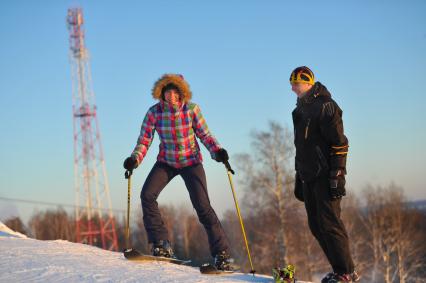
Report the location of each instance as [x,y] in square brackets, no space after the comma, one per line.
[300,88]
[172,96]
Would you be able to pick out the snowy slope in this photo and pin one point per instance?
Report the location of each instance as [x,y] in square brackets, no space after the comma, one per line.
[27,260]
[7,232]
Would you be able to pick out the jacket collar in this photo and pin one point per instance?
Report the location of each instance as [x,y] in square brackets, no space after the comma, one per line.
[171,107]
[317,89]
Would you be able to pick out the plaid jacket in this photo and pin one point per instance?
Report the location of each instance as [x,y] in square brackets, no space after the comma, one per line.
[177,127]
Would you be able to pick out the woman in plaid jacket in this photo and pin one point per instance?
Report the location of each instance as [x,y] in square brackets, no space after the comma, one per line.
[178,122]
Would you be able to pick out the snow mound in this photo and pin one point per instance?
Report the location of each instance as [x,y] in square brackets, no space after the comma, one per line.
[30,260]
[7,232]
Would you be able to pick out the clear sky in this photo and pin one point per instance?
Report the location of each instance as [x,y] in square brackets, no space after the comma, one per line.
[237,57]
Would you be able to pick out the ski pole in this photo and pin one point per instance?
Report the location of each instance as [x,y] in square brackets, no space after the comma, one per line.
[229,171]
[128,176]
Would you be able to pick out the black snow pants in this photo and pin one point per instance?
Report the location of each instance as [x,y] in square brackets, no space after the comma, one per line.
[326,225]
[195,181]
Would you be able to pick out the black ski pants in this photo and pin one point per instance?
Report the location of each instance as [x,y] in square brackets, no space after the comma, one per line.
[326,225]
[195,181]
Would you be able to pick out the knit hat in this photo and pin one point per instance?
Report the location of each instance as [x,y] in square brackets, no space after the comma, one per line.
[302,75]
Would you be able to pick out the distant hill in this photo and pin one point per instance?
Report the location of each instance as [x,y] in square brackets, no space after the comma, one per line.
[418,204]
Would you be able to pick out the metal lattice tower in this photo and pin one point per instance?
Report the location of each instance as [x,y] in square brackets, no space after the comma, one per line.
[90,176]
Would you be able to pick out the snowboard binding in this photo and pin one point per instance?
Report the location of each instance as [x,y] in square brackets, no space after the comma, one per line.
[162,248]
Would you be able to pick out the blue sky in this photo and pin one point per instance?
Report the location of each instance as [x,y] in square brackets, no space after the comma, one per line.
[237,57]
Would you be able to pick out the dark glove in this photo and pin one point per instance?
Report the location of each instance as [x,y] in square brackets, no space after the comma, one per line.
[337,184]
[130,163]
[298,188]
[221,155]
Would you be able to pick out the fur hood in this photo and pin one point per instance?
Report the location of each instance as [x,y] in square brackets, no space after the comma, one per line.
[175,79]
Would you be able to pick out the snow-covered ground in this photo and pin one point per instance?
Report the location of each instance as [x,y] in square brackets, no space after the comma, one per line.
[24,259]
[7,232]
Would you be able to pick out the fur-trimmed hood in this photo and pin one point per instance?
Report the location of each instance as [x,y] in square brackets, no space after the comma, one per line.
[175,79]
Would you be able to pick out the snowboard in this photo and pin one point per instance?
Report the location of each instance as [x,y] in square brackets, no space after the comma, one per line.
[134,255]
[208,268]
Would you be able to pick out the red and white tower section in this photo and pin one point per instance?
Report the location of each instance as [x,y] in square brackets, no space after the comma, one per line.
[95,223]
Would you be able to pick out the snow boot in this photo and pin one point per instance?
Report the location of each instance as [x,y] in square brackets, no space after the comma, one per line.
[222,261]
[162,248]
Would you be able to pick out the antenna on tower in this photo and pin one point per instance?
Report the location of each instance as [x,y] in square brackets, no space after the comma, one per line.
[90,175]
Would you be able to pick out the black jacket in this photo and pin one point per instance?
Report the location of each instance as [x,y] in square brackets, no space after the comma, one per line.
[321,145]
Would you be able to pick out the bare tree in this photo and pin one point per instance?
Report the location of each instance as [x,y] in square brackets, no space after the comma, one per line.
[15,223]
[267,176]
[411,246]
[52,225]
[396,241]
[353,218]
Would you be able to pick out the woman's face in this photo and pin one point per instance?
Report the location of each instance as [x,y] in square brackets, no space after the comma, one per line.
[172,96]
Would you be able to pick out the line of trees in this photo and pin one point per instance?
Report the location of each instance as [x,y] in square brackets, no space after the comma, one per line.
[387,236]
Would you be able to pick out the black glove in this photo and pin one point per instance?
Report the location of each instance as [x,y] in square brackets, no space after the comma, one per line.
[221,155]
[298,188]
[130,163]
[337,184]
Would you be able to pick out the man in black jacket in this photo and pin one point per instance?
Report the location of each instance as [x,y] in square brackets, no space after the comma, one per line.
[321,150]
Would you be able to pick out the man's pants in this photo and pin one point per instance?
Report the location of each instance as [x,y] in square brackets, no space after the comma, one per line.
[195,181]
[326,225]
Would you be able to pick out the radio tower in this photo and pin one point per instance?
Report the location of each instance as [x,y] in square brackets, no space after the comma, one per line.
[90,176]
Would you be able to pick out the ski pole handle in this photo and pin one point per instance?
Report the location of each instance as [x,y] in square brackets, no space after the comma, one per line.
[228,167]
[128,173]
